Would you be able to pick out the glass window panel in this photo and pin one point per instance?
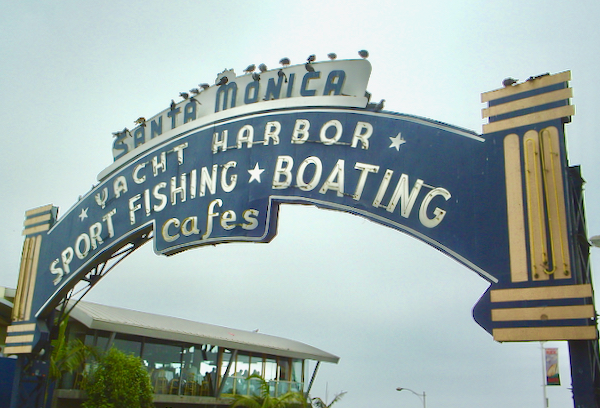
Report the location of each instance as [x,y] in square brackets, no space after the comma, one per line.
[270,369]
[282,387]
[209,359]
[102,341]
[228,386]
[190,371]
[164,364]
[297,370]
[89,340]
[208,367]
[242,367]
[283,369]
[254,386]
[256,365]
[128,346]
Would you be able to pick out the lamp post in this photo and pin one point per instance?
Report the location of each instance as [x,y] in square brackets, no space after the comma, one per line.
[421,396]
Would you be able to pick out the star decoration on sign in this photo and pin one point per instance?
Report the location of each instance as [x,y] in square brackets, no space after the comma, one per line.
[397,141]
[83,214]
[255,173]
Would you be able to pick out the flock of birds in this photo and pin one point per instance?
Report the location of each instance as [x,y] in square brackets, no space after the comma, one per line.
[506,82]
[262,68]
[251,70]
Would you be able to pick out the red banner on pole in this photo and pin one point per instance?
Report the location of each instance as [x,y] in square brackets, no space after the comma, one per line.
[552,375]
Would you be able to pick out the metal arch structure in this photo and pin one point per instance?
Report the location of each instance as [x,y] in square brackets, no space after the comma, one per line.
[214,169]
[31,386]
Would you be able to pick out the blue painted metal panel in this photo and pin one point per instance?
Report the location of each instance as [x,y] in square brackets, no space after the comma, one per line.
[7,376]
[199,189]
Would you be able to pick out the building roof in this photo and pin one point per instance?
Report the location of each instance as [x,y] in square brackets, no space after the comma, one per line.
[113,319]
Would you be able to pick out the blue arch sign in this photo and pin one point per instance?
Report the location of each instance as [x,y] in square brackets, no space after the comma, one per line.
[214,168]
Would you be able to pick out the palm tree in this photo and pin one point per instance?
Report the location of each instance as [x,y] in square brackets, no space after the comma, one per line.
[319,403]
[265,400]
[68,356]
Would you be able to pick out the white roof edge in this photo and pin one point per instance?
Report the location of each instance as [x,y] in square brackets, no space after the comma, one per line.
[113,319]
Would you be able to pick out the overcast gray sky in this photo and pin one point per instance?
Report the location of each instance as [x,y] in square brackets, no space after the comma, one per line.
[396,311]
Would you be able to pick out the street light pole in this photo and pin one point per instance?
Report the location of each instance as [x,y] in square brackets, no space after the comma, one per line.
[422,397]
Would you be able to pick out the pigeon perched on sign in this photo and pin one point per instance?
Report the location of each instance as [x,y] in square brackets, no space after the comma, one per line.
[531,78]
[250,68]
[311,58]
[309,67]
[280,73]
[204,86]
[262,68]
[332,55]
[124,131]
[184,95]
[222,81]
[509,81]
[363,53]
[284,61]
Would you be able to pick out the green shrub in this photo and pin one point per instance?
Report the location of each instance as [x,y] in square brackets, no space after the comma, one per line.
[119,381]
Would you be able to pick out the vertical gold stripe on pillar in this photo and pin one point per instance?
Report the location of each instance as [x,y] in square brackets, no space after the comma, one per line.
[515,209]
[33,276]
[20,296]
[536,213]
[27,276]
[546,212]
[555,199]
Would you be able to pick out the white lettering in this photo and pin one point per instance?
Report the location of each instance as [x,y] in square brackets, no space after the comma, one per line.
[227,218]
[109,223]
[335,181]
[136,178]
[302,185]
[250,217]
[245,135]
[190,226]
[361,127]
[95,238]
[439,213]
[85,239]
[120,186]
[162,198]
[219,142]
[134,207]
[179,150]
[156,166]
[228,187]
[300,134]
[362,179]
[165,229]
[181,190]
[283,168]
[401,192]
[211,214]
[272,130]
[208,180]
[338,132]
